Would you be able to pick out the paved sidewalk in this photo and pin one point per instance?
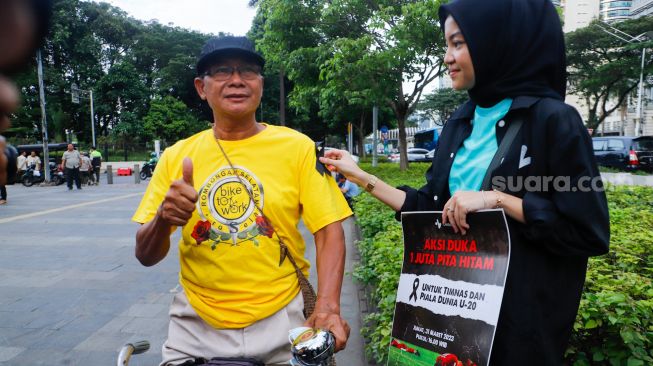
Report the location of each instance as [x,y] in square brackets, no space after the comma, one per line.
[71,291]
[627,179]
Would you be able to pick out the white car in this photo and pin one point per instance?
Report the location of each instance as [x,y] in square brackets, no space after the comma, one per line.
[414,155]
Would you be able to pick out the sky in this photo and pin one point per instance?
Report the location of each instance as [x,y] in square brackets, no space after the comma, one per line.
[207,16]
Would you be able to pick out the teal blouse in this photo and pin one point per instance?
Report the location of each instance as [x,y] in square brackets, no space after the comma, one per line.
[476,153]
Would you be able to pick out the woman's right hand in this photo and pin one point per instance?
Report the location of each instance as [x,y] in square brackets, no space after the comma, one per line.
[342,162]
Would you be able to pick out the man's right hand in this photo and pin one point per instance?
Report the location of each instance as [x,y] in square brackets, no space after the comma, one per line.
[179,203]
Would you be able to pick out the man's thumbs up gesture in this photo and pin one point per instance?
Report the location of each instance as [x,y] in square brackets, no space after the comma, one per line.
[179,203]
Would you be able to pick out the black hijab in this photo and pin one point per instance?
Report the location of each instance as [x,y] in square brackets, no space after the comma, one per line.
[516,46]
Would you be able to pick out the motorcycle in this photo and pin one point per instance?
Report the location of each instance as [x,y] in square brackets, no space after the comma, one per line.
[147,169]
[33,176]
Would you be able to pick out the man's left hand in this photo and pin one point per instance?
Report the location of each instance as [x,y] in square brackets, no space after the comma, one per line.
[327,318]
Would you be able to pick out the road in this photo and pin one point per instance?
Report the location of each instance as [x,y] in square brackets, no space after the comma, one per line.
[71,291]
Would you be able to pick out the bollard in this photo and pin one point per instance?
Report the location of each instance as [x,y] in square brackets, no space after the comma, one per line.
[109,175]
[137,174]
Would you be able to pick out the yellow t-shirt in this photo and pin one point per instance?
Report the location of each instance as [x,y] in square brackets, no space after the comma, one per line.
[229,265]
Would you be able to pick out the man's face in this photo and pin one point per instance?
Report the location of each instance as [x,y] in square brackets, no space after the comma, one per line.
[70,147]
[238,96]
[32,153]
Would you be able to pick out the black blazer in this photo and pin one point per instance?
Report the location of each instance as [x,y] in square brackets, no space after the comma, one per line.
[564,224]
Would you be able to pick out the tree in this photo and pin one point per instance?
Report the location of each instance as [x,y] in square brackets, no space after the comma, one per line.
[169,119]
[440,104]
[125,62]
[121,89]
[604,70]
[282,26]
[272,16]
[363,51]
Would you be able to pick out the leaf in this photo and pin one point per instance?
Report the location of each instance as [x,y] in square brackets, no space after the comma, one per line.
[634,362]
[591,324]
[598,356]
[214,235]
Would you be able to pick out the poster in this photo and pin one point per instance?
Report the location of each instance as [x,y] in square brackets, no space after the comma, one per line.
[450,290]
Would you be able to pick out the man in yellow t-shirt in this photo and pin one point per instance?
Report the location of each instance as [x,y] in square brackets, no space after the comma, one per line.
[238,190]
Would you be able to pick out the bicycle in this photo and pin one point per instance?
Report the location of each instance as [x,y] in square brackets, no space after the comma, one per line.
[310,347]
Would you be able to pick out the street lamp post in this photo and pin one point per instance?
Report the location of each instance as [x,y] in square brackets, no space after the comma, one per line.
[44,120]
[76,93]
[630,39]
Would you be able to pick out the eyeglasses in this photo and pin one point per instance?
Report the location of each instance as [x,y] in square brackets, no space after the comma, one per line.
[223,73]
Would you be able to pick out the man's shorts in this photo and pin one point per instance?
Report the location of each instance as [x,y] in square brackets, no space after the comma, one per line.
[190,337]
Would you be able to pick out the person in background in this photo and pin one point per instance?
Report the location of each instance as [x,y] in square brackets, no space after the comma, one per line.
[34,160]
[71,162]
[3,188]
[21,164]
[85,169]
[348,189]
[3,194]
[153,158]
[96,162]
[509,55]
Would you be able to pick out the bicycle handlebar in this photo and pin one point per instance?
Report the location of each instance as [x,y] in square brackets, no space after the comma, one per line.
[131,349]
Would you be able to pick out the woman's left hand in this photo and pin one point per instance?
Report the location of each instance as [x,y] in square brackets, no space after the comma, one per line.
[456,209]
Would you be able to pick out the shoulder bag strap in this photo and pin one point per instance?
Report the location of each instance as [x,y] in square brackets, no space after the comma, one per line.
[506,142]
[308,292]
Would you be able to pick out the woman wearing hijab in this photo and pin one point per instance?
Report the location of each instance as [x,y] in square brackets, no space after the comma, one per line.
[510,57]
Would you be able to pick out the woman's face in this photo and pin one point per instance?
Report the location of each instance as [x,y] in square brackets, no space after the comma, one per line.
[457,58]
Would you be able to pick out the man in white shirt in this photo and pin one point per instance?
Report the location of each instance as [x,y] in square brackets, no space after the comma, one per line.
[71,162]
[21,164]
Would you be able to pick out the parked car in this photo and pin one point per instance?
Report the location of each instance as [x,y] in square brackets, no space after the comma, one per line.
[414,155]
[624,152]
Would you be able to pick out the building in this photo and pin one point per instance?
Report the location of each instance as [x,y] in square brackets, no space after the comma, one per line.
[579,13]
[614,10]
[641,8]
[622,122]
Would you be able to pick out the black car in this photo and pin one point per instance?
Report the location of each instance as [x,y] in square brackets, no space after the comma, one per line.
[624,152]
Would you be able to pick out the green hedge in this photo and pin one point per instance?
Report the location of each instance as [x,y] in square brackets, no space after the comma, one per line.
[615,320]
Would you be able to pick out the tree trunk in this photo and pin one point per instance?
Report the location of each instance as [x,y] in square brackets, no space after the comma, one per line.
[403,149]
[361,135]
[124,146]
[282,97]
[401,109]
